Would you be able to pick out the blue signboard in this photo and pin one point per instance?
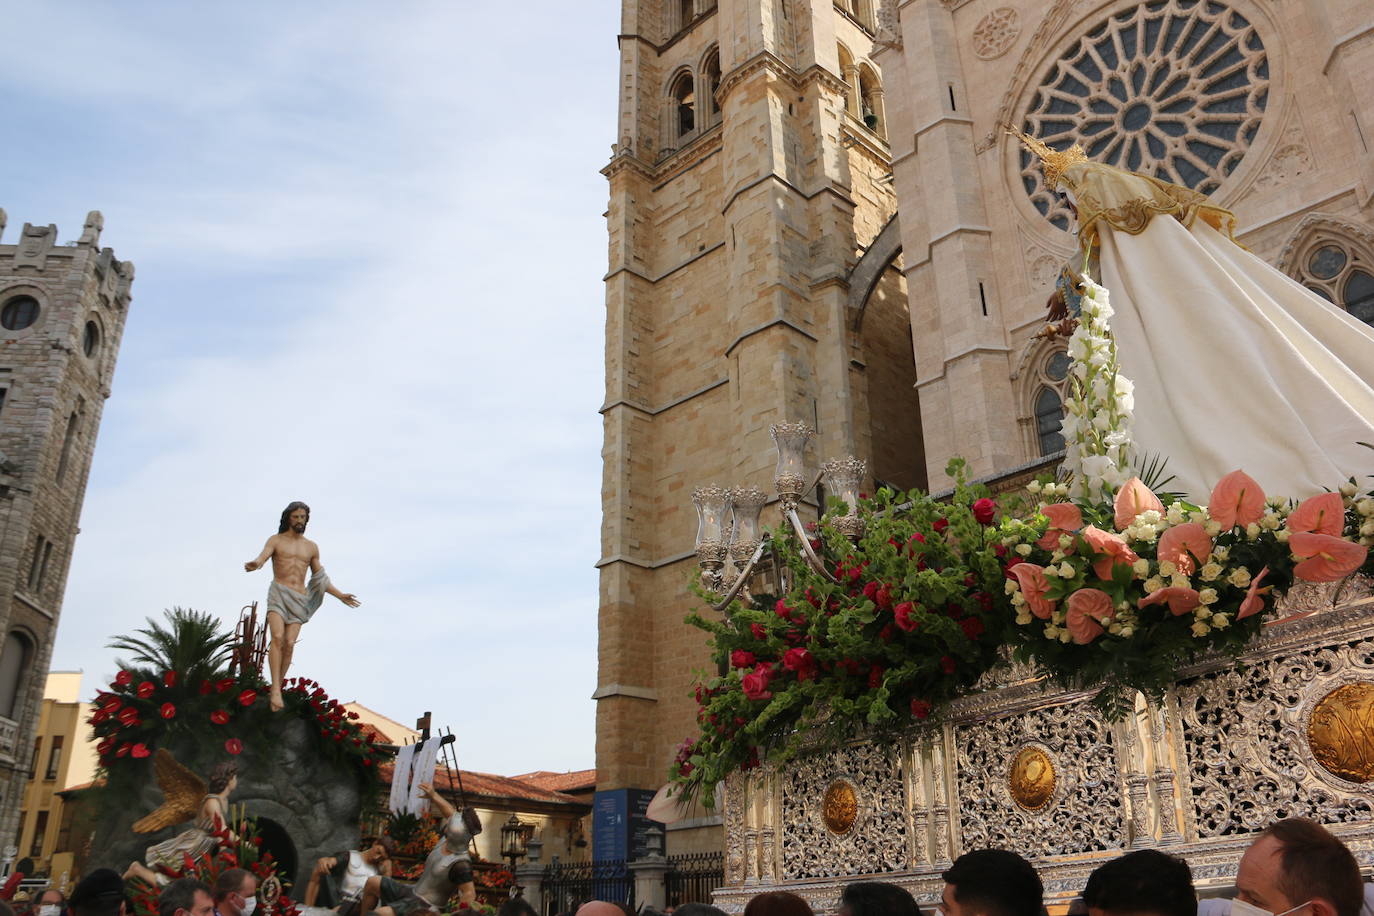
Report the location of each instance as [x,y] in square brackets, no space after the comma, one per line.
[619,824]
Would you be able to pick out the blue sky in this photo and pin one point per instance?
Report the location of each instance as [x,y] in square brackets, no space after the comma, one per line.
[369,247]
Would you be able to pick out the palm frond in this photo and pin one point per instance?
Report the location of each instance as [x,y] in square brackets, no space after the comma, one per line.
[191,642]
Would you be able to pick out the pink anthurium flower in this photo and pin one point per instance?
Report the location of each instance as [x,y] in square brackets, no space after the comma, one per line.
[1186,546]
[1253,603]
[1325,558]
[1111,550]
[1088,609]
[1033,584]
[1322,514]
[1236,500]
[1179,600]
[1064,519]
[1132,499]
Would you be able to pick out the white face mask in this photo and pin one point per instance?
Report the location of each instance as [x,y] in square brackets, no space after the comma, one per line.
[1241,908]
[49,909]
[249,905]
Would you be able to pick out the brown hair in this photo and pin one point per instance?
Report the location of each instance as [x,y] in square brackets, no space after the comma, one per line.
[1316,864]
[220,776]
[229,882]
[777,903]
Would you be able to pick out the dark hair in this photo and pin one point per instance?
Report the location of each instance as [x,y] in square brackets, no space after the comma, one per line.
[100,893]
[220,776]
[6,909]
[1146,881]
[53,889]
[386,843]
[878,898]
[1314,863]
[697,909]
[777,903]
[517,906]
[229,882]
[997,882]
[180,895]
[286,515]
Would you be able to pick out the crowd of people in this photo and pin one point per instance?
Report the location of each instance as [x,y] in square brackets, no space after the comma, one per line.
[1296,867]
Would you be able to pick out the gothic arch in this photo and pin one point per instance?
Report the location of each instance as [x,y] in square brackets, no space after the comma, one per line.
[1039,383]
[1333,258]
[681,107]
[709,70]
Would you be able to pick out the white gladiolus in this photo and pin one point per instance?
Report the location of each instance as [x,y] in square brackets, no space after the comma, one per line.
[1097,413]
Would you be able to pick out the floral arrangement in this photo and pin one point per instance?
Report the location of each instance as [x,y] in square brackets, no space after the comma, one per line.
[1115,594]
[1097,412]
[909,619]
[1121,595]
[241,850]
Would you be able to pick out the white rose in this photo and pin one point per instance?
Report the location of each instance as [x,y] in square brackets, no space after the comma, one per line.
[1365,507]
[1210,572]
[1153,585]
[1018,599]
[1222,554]
[1240,577]
[1033,487]
[1200,629]
[1023,549]
[1349,489]
[1213,529]
[1252,531]
[1208,596]
[1220,621]
[1176,515]
[1141,567]
[1065,636]
[1167,568]
[1282,535]
[1051,572]
[1127,632]
[1367,529]
[1010,587]
[1179,580]
[1067,571]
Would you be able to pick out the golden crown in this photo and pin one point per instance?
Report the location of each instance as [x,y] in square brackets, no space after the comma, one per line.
[1053,162]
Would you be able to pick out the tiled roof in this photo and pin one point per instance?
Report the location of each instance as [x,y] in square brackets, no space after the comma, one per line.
[560,782]
[489,785]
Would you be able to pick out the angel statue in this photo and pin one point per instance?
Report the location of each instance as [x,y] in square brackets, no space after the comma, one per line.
[185,797]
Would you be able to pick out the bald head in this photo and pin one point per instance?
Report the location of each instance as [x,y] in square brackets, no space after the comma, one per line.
[599,908]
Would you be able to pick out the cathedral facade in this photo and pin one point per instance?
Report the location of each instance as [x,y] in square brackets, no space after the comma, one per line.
[62,313]
[816,215]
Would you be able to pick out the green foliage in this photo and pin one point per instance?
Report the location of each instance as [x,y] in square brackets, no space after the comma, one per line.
[192,643]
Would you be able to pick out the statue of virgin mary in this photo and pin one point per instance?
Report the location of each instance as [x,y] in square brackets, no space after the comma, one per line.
[1234,363]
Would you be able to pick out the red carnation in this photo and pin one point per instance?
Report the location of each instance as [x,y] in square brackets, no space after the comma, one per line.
[800,661]
[742,659]
[920,708]
[940,525]
[759,632]
[904,615]
[972,627]
[983,511]
[139,750]
[248,697]
[169,679]
[947,664]
[219,716]
[234,746]
[146,689]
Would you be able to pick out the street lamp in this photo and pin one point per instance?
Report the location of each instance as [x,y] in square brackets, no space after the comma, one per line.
[515,840]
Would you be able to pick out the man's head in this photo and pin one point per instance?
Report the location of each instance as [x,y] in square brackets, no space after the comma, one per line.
[991,882]
[598,908]
[101,893]
[877,898]
[694,909]
[186,897]
[236,892]
[295,516]
[50,902]
[1142,883]
[379,850]
[1298,863]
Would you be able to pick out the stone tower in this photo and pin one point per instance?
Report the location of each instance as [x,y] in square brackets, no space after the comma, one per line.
[62,311]
[751,174]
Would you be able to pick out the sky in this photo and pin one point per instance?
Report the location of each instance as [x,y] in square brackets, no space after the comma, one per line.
[369,242]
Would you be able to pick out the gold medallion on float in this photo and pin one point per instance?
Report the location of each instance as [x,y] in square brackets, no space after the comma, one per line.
[840,807]
[1340,732]
[1031,778]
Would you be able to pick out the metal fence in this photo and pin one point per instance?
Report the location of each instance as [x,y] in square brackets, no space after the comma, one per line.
[691,878]
[568,885]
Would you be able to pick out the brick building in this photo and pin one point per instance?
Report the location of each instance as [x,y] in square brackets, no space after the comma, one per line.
[62,311]
[814,215]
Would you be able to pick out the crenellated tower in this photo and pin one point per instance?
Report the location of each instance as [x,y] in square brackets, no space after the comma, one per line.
[62,312]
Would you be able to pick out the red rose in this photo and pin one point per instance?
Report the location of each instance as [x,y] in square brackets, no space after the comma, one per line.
[782,610]
[128,715]
[139,750]
[759,632]
[871,591]
[947,664]
[920,708]
[887,632]
[883,598]
[755,683]
[146,689]
[904,616]
[912,541]
[742,659]
[983,511]
[234,746]
[972,627]
[169,679]
[800,661]
[853,574]
[367,762]
[219,716]
[685,769]
[124,678]
[248,697]
[940,525]
[875,677]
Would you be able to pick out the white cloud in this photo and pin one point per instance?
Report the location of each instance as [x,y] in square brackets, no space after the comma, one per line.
[399,222]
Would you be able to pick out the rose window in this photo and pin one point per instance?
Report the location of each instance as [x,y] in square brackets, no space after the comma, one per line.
[1173,88]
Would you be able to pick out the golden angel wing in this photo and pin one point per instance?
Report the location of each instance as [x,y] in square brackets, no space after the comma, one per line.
[182,790]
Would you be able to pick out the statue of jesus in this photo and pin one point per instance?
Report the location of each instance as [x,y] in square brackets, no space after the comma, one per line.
[290,601]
